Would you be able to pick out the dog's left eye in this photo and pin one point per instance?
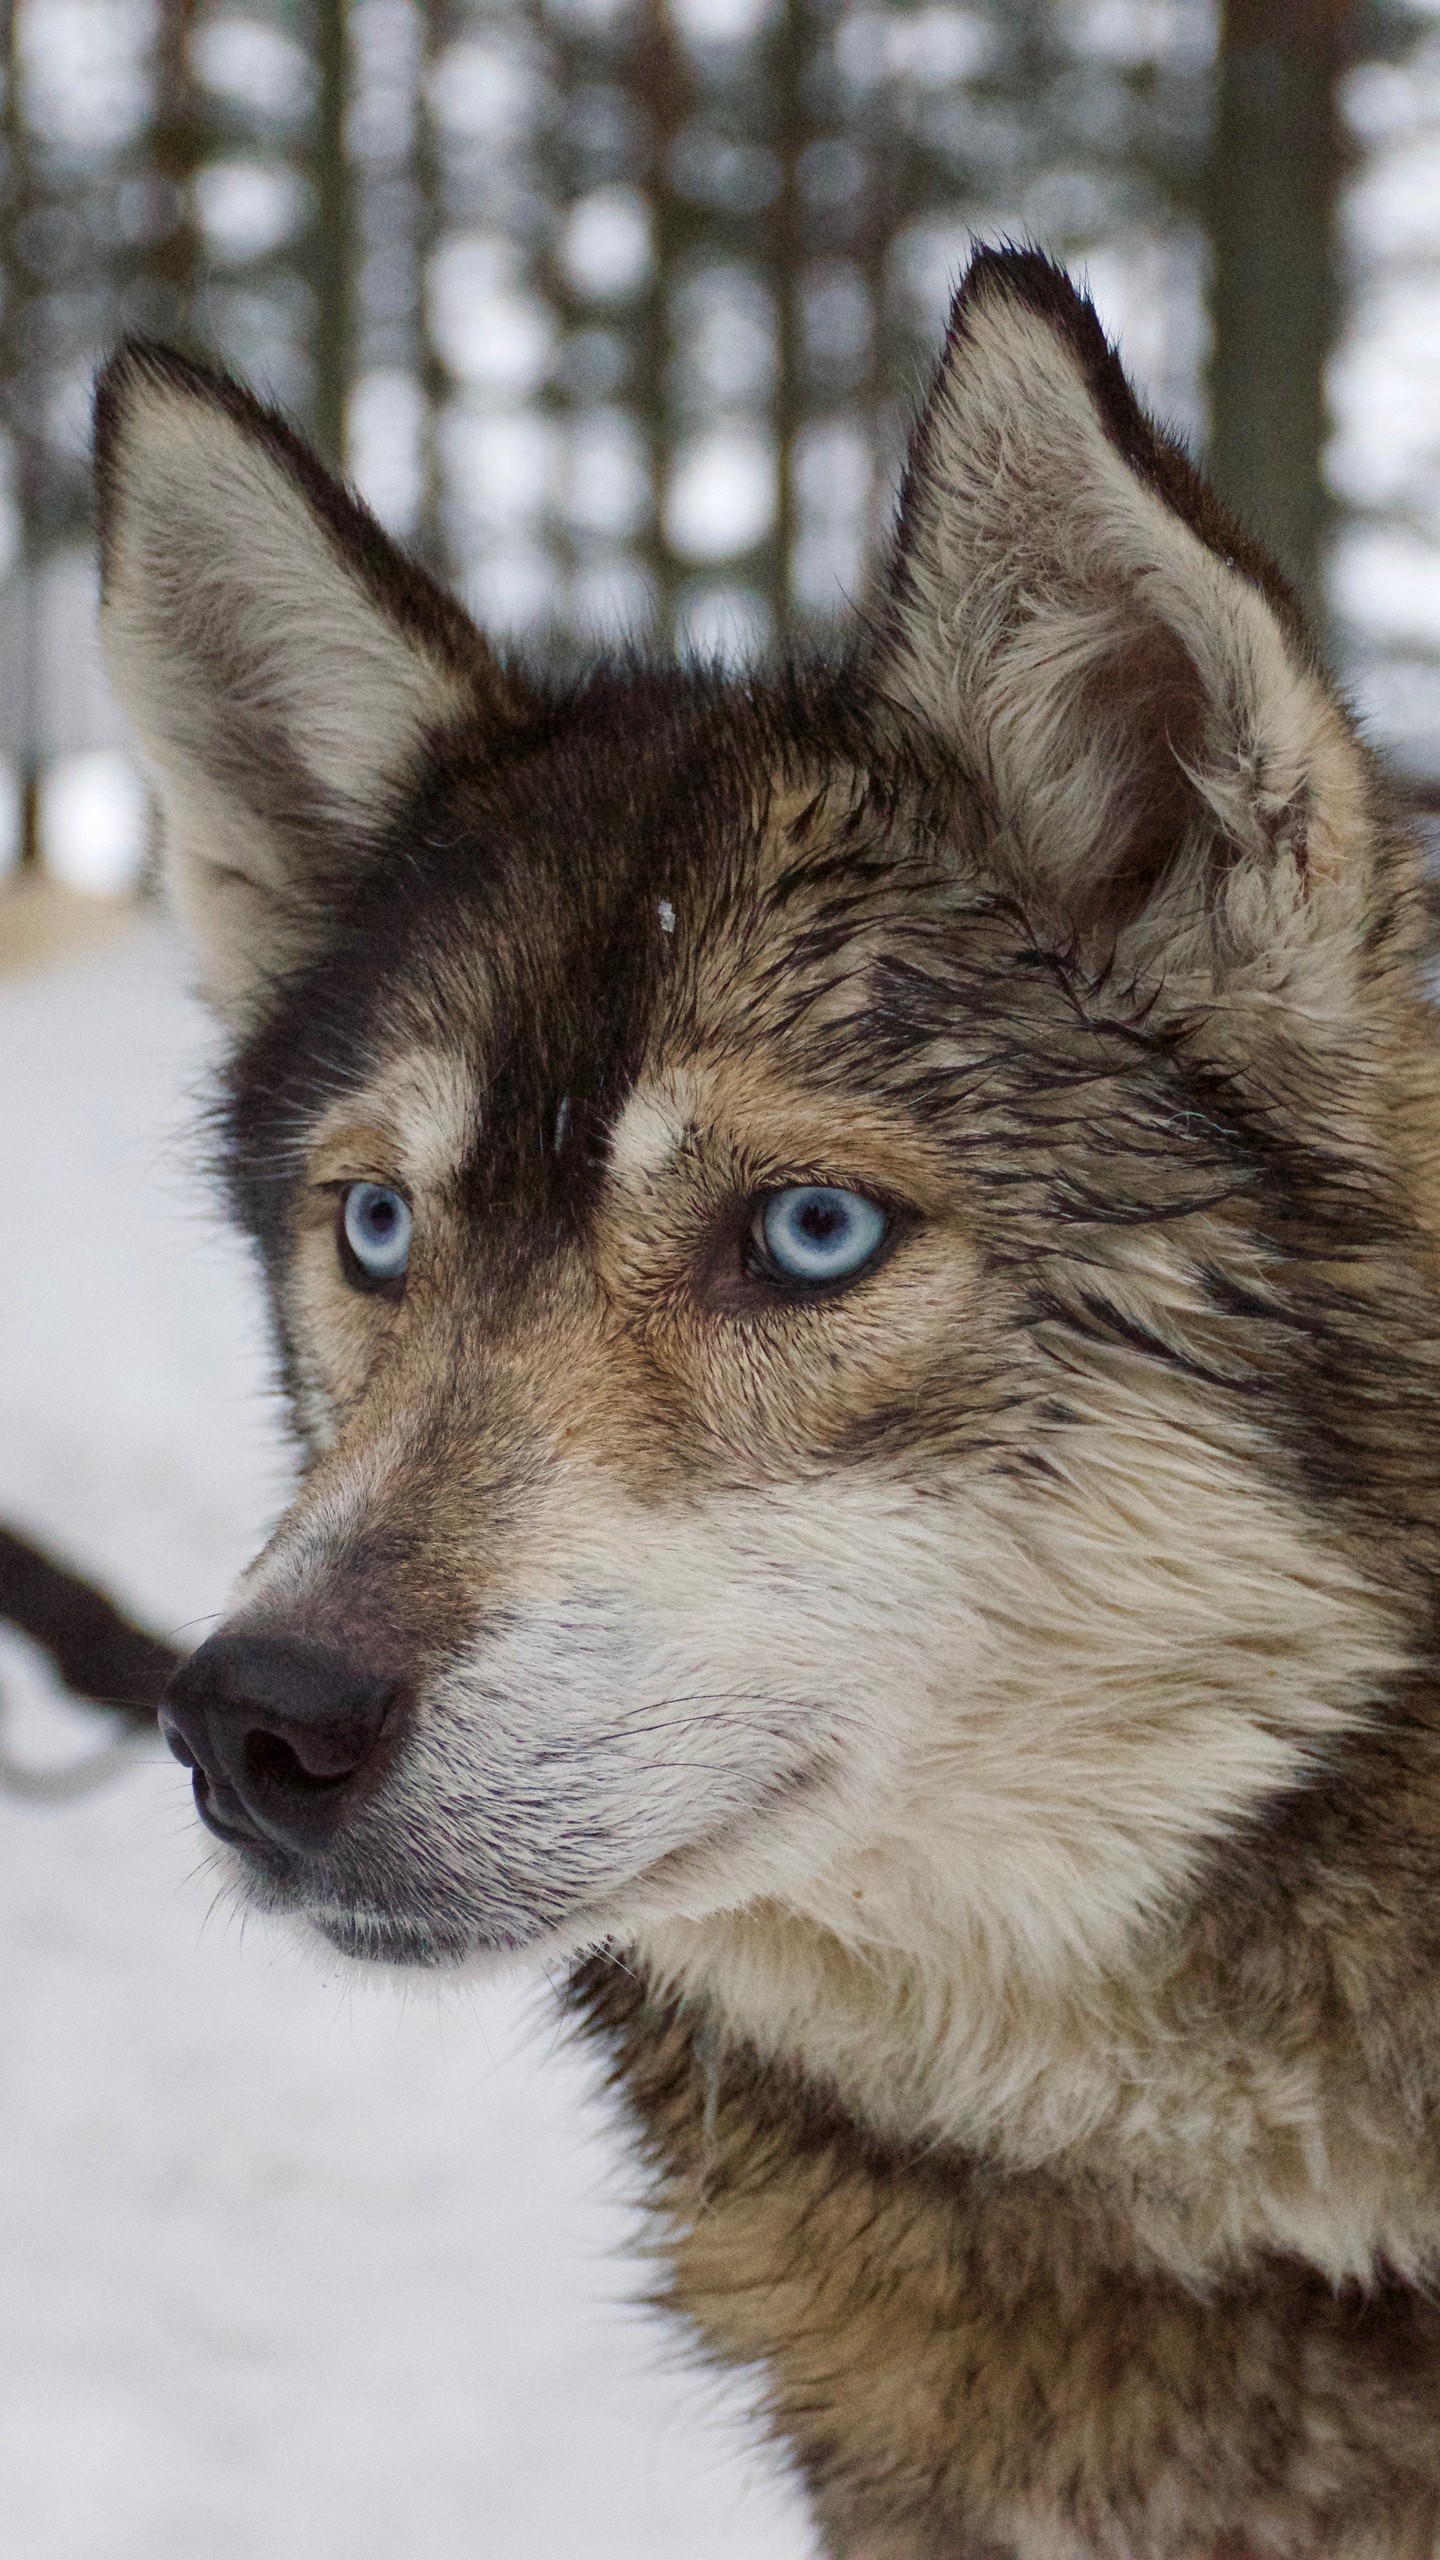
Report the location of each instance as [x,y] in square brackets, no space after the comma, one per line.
[377,1227]
[814,1233]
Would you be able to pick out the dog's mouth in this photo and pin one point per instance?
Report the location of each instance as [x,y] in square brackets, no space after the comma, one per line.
[476,1829]
[374,1919]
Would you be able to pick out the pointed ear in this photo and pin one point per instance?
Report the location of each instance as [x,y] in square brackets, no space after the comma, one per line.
[1162,773]
[283,664]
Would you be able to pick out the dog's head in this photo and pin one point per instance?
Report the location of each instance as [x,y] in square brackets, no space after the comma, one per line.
[822,1230]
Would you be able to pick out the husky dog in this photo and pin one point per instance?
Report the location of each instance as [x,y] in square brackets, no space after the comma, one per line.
[857,1258]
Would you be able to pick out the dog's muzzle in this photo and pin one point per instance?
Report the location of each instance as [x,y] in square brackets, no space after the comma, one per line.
[285,1738]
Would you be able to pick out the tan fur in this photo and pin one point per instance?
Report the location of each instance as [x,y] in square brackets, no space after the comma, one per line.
[961,1942]
[977,1728]
[918,2320]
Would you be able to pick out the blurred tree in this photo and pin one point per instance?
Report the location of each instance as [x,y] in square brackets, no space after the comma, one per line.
[619,308]
[331,239]
[1274,182]
[429,227]
[175,149]
[662,84]
[25,450]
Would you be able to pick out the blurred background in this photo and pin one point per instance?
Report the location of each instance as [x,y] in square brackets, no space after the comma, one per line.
[616,310]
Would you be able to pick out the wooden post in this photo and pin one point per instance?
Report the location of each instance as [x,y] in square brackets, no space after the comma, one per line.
[1274,178]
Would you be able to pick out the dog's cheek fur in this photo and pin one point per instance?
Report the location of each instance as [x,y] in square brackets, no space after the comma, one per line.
[1055,1755]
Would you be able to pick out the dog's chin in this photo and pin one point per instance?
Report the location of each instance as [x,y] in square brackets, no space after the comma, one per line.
[371,1931]
[405,1941]
[412,1941]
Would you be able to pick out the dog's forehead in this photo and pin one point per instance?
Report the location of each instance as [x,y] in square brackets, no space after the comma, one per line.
[569,963]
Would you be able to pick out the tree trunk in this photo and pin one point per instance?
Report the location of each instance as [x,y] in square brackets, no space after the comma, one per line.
[330,246]
[1275,170]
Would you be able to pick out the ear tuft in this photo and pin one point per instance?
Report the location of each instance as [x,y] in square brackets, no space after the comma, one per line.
[284,665]
[1124,676]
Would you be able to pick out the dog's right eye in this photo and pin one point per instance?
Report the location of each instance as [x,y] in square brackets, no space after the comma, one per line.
[376,1226]
[814,1234]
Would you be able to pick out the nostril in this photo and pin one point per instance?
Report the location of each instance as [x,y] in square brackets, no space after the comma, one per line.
[272,1766]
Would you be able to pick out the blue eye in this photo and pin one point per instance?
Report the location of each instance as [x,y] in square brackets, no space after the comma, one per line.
[814,1233]
[378,1227]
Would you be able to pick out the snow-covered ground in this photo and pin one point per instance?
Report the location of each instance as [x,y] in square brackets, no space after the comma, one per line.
[290,2268]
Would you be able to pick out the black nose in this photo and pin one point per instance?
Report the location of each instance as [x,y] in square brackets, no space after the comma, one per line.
[282,1736]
